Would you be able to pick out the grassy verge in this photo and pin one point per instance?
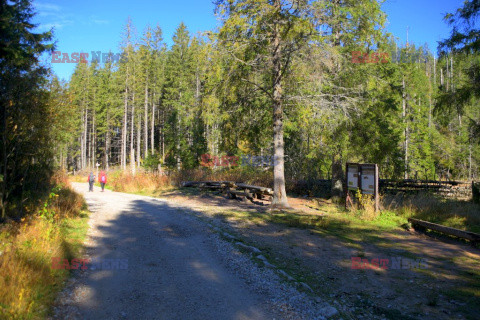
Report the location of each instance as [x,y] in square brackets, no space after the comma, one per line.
[28,284]
[458,214]
[346,226]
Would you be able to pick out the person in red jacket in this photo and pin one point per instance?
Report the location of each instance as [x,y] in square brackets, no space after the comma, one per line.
[102,178]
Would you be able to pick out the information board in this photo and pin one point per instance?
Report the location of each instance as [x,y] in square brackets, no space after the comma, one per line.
[368,179]
[352,177]
[363,177]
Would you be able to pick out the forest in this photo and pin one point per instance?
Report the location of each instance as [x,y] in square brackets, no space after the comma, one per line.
[315,84]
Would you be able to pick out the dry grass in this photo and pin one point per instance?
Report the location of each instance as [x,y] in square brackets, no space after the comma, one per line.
[140,183]
[368,212]
[150,183]
[364,207]
[28,284]
[458,214]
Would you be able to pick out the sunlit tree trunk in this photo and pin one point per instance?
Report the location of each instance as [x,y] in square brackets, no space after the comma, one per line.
[279,193]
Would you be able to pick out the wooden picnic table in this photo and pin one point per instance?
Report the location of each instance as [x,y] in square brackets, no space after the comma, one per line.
[233,189]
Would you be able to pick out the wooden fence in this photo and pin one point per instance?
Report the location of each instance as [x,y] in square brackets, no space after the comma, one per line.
[461,190]
[446,189]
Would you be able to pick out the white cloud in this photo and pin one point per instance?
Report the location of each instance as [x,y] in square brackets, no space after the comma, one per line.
[99,21]
[52,16]
[46,7]
[56,25]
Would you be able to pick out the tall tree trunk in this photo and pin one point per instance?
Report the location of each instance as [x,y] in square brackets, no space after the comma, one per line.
[107,142]
[448,76]
[470,177]
[81,140]
[89,147]
[139,139]
[279,194]
[405,120]
[94,140]
[132,150]
[146,119]
[178,133]
[179,161]
[125,126]
[85,136]
[152,129]
[163,136]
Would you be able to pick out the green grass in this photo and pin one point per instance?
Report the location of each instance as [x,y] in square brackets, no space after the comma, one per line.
[28,283]
[464,215]
[74,232]
[348,227]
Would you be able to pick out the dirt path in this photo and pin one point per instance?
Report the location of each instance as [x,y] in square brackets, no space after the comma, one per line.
[446,288]
[173,271]
[179,268]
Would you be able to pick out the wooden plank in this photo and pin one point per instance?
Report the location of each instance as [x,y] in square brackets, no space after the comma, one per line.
[264,190]
[207,183]
[447,230]
[238,192]
[247,186]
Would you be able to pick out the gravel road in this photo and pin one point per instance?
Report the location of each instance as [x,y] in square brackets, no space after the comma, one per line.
[162,262]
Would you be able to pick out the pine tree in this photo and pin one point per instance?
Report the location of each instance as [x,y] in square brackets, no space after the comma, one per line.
[25,147]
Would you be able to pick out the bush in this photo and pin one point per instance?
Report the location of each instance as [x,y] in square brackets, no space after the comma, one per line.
[151,162]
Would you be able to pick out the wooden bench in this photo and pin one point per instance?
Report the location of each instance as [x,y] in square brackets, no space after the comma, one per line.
[207,184]
[473,237]
[258,192]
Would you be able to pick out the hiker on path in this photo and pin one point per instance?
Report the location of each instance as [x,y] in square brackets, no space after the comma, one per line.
[102,178]
[91,181]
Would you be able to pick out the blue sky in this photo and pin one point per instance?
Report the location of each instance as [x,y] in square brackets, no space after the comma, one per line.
[85,26]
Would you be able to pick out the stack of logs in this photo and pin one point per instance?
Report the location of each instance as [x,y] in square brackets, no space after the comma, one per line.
[233,190]
[447,189]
